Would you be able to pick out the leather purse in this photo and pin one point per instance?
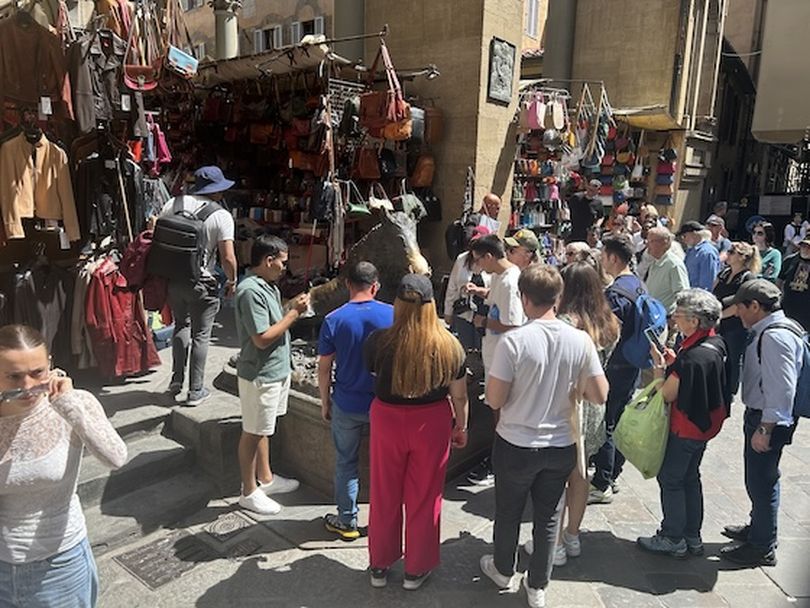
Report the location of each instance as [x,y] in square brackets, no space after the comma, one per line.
[368,163]
[422,176]
[665,168]
[379,109]
[434,125]
[378,199]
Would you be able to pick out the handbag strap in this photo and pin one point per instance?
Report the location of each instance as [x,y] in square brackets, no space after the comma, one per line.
[376,188]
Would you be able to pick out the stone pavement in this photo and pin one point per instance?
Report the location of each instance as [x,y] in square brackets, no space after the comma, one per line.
[231,558]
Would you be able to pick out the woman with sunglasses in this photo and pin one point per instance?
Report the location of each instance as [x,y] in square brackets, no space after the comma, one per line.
[45,558]
[764,237]
[742,264]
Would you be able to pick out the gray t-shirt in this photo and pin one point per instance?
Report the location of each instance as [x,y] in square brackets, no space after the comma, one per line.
[546,363]
[219,226]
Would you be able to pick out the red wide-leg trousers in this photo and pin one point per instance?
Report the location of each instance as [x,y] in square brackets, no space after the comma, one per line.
[410,446]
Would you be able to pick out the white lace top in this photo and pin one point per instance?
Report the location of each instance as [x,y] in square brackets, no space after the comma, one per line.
[40,454]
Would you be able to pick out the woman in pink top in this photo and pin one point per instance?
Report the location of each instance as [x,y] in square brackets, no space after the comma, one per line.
[45,559]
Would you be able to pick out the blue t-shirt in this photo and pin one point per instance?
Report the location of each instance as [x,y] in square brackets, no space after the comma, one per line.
[625,309]
[343,333]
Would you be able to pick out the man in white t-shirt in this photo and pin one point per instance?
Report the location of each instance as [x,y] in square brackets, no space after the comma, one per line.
[538,372]
[505,312]
[195,305]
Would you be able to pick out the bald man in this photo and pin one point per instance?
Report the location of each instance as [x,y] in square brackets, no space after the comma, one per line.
[490,208]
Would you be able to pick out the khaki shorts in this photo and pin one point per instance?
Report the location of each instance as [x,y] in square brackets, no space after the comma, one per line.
[262,404]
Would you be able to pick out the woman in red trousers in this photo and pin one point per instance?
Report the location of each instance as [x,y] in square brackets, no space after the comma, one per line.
[420,409]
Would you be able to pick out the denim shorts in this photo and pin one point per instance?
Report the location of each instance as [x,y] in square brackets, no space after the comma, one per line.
[65,580]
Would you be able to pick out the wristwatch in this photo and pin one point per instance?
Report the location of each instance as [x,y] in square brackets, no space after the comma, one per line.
[761,430]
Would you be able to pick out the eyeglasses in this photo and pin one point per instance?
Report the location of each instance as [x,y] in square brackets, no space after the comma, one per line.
[762,232]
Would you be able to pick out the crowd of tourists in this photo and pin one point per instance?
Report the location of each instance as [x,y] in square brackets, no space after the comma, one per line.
[561,358]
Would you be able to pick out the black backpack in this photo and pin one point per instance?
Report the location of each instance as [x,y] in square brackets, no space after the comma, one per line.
[458,234]
[179,243]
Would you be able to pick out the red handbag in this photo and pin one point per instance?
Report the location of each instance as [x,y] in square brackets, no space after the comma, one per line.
[386,109]
[143,57]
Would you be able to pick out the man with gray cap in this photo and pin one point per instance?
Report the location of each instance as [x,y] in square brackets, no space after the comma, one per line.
[586,211]
[195,305]
[702,258]
[771,367]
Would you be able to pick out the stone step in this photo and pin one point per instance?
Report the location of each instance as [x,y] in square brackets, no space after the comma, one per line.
[115,523]
[139,420]
[151,458]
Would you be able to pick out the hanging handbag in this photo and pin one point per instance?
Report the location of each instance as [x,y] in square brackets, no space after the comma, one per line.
[665,168]
[368,163]
[378,109]
[143,57]
[378,199]
[434,124]
[176,60]
[388,163]
[418,124]
[638,169]
[537,112]
[432,203]
[354,202]
[422,176]
[409,203]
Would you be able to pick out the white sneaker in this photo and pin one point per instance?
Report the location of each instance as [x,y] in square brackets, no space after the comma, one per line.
[258,502]
[598,497]
[529,547]
[487,563]
[573,547]
[536,597]
[279,485]
[560,557]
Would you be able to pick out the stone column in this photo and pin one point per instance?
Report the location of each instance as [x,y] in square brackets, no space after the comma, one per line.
[227,29]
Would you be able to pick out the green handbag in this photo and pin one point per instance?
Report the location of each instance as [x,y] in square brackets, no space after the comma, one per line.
[643,429]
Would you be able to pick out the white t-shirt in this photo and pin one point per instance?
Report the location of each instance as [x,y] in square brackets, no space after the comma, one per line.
[545,361]
[219,226]
[504,306]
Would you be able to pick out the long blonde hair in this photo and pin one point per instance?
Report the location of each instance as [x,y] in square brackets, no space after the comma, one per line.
[424,355]
[752,261]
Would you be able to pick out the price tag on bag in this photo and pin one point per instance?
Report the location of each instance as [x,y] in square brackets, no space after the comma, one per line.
[64,243]
[126,104]
[45,106]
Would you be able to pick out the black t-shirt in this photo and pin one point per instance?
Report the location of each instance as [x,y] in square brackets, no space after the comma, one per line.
[382,370]
[796,301]
[702,373]
[584,214]
[725,289]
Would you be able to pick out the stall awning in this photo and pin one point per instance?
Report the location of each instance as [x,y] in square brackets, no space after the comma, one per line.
[293,59]
[651,118]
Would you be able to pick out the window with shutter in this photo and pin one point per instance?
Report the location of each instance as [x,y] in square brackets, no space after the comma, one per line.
[295,33]
[258,41]
[200,51]
[277,36]
[319,26]
[533,11]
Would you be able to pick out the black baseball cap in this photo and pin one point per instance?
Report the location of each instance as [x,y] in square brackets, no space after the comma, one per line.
[691,226]
[417,284]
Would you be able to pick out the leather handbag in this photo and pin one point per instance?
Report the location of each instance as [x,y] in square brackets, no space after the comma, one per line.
[368,163]
[434,125]
[663,190]
[665,168]
[537,112]
[409,203]
[422,176]
[388,163]
[664,179]
[378,199]
[143,57]
[418,124]
[177,61]
[378,109]
[356,205]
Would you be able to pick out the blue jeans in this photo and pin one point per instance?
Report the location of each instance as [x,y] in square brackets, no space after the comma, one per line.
[608,460]
[681,489]
[66,580]
[347,434]
[466,333]
[762,480]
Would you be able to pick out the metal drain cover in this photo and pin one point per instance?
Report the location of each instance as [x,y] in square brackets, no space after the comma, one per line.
[162,561]
[228,526]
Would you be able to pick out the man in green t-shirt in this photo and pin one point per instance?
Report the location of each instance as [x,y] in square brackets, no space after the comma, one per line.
[263,324]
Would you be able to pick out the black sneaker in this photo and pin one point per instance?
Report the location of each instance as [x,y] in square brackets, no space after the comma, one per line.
[749,555]
[739,533]
[482,475]
[175,388]
[412,582]
[347,532]
[379,577]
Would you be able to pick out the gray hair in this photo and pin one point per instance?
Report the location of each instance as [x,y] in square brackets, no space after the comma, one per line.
[701,305]
[662,233]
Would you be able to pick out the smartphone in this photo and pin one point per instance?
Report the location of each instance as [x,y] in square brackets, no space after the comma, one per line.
[654,339]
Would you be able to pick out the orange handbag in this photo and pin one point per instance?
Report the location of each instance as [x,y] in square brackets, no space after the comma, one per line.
[422,176]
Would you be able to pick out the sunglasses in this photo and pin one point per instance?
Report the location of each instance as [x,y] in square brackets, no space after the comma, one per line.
[762,232]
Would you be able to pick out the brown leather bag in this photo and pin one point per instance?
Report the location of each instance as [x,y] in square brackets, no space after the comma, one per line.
[379,109]
[422,176]
[368,163]
[434,125]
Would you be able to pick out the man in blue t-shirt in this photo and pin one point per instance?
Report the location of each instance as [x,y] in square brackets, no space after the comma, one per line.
[346,400]
[622,376]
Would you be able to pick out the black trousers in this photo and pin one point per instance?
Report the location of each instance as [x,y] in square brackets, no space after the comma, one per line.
[541,472]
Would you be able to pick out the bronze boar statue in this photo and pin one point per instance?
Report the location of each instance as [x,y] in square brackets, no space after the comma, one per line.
[391,246]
